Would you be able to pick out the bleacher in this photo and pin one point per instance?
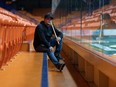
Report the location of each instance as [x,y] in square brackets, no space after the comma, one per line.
[16,38]
[93,21]
[14,30]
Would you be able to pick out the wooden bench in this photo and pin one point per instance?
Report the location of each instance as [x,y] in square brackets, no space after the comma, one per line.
[28,47]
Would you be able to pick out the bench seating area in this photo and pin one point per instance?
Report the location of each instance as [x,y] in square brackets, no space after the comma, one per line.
[13,31]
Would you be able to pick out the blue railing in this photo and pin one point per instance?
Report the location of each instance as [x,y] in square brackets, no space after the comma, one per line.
[44,81]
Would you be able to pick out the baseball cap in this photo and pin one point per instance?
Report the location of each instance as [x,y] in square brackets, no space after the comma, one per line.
[49,15]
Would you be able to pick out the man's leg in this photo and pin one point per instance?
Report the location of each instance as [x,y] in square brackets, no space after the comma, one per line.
[58,50]
[54,60]
[53,43]
[51,56]
[42,48]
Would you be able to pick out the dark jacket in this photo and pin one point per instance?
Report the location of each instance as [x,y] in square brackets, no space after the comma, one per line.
[43,34]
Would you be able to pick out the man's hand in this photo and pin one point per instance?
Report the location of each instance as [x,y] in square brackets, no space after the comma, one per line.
[51,49]
[58,39]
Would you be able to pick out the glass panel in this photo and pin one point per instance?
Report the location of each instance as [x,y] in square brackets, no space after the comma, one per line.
[89,22]
[103,38]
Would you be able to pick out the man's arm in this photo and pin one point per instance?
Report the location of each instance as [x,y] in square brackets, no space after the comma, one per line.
[59,33]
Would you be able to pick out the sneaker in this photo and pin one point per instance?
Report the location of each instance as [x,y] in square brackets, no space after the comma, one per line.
[60,66]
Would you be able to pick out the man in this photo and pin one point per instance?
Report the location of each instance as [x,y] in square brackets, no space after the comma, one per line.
[107,24]
[45,40]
